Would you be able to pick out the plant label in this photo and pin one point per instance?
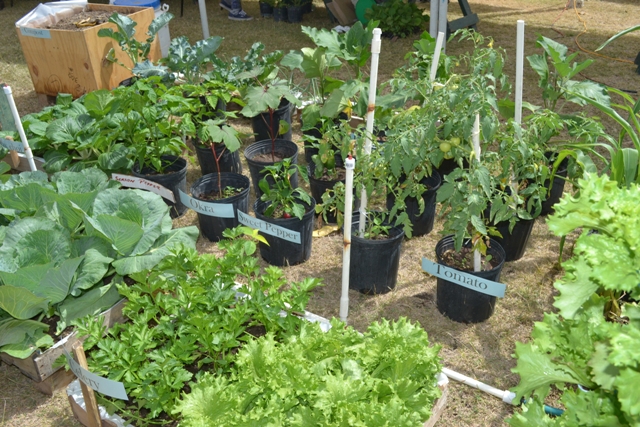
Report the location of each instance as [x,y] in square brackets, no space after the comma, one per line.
[461,278]
[218,210]
[39,33]
[12,145]
[7,122]
[143,184]
[268,228]
[102,385]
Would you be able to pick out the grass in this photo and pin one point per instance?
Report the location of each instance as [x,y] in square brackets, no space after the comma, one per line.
[482,351]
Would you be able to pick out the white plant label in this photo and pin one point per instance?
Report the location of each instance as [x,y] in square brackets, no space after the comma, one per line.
[461,278]
[102,385]
[143,184]
[268,228]
[39,33]
[12,145]
[218,210]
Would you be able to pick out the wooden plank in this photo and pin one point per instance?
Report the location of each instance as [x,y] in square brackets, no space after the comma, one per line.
[74,61]
[59,380]
[90,404]
[23,164]
[81,414]
[438,407]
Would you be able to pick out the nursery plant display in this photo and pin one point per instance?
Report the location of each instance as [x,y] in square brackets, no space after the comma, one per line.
[66,241]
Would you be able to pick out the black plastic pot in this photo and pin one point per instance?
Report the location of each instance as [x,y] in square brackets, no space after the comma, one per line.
[280,14]
[264,123]
[307,6]
[281,252]
[284,149]
[319,187]
[230,162]
[557,189]
[422,223]
[294,13]
[266,10]
[514,243]
[449,165]
[461,304]
[212,227]
[174,178]
[309,149]
[374,264]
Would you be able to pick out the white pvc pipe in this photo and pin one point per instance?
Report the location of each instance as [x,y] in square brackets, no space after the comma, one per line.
[442,18]
[476,150]
[350,165]
[506,395]
[436,56]
[16,118]
[373,82]
[203,19]
[519,70]
[433,22]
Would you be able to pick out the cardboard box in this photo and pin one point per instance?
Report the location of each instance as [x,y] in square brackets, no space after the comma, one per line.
[343,11]
[64,61]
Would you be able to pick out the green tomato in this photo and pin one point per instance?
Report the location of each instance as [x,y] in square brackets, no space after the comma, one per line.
[455,141]
[445,147]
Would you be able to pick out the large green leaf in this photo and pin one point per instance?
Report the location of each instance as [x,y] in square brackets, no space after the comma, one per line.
[92,302]
[38,241]
[186,236]
[56,285]
[92,270]
[28,346]
[21,303]
[27,198]
[28,277]
[121,233]
[98,103]
[85,181]
[13,331]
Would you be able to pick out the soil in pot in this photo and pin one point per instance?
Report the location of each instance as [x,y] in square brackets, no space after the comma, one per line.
[94,17]
[422,222]
[206,190]
[258,156]
[174,178]
[281,252]
[265,124]
[229,162]
[461,304]
[374,262]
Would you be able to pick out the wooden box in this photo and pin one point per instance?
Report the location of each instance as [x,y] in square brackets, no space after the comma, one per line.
[40,365]
[65,61]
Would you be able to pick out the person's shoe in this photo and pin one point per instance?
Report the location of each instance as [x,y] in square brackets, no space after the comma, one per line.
[239,15]
[225,5]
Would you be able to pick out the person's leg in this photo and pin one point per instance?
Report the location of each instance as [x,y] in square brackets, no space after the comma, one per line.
[236,13]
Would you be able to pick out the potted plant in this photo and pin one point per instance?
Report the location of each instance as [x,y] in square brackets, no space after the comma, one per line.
[397,18]
[280,11]
[265,101]
[266,8]
[287,207]
[230,190]
[295,10]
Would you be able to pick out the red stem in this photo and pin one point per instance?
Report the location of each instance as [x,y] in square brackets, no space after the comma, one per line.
[217,159]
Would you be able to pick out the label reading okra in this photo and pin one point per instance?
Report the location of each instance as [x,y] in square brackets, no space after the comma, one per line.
[218,210]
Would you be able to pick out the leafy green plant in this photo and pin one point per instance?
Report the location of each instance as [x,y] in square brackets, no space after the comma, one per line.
[124,35]
[188,61]
[64,237]
[218,132]
[284,200]
[399,18]
[185,317]
[341,377]
[590,342]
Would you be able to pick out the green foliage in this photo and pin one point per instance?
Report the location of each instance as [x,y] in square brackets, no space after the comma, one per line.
[186,317]
[399,18]
[191,61]
[386,376]
[593,341]
[277,190]
[63,237]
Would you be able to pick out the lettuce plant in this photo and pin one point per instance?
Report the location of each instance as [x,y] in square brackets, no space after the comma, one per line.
[63,237]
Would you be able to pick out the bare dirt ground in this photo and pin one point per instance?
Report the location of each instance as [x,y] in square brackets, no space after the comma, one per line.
[482,351]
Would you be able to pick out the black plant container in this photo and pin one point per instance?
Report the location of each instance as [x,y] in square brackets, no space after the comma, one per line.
[266,10]
[212,227]
[461,304]
[229,162]
[280,14]
[285,149]
[556,189]
[374,263]
[174,179]
[264,124]
[422,222]
[281,252]
[515,242]
[294,13]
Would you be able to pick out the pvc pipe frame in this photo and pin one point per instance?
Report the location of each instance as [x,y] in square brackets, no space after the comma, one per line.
[476,149]
[350,165]
[16,118]
[436,56]
[505,395]
[373,83]
[442,19]
[519,69]
[203,19]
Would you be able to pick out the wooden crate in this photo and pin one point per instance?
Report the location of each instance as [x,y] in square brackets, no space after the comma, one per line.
[22,164]
[75,61]
[40,365]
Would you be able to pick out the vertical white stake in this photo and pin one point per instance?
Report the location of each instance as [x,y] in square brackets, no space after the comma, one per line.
[433,22]
[16,118]
[436,56]
[203,19]
[519,70]
[373,82]
[442,18]
[476,152]
[350,165]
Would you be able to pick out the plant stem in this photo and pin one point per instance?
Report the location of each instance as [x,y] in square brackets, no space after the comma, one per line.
[217,159]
